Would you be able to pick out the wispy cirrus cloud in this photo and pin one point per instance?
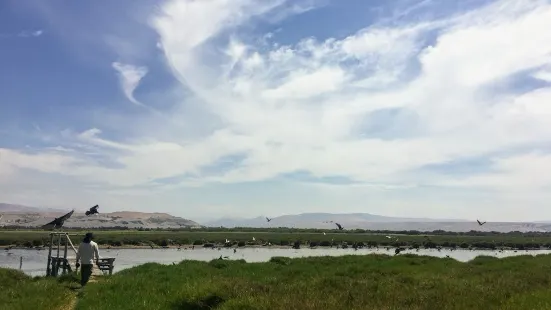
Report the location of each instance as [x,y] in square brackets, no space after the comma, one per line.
[23,34]
[129,78]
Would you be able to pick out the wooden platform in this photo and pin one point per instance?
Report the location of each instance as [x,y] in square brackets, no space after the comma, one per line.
[60,263]
[105,266]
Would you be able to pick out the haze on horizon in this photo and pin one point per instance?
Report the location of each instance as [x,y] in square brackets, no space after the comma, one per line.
[215,108]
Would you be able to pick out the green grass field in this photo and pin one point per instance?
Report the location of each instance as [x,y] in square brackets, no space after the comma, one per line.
[21,292]
[132,238]
[346,282]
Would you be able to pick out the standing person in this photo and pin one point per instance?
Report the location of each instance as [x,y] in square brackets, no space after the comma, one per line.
[87,251]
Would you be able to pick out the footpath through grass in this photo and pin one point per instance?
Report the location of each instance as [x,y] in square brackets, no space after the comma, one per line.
[347,282]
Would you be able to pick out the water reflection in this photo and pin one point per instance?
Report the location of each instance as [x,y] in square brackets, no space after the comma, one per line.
[34,261]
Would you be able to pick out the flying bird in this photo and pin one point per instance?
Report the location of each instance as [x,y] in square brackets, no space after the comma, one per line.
[268,219]
[339,226]
[93,210]
[58,221]
[480,223]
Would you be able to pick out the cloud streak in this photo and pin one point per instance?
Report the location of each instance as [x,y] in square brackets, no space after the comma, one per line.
[23,34]
[129,78]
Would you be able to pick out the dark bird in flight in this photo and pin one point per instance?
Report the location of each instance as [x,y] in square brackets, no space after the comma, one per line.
[339,226]
[59,221]
[93,210]
[268,219]
[480,223]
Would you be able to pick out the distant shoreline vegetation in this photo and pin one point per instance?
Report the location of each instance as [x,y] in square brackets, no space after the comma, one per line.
[240,237]
[287,230]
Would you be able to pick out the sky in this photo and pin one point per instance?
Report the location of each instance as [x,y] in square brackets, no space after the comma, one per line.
[240,108]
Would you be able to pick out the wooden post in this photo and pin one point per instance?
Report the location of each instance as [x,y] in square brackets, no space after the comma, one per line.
[48,267]
[21,263]
[58,252]
[65,255]
[58,244]
[111,266]
[71,244]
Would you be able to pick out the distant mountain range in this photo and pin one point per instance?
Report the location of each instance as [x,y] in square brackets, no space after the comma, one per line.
[376,222]
[24,216]
[13,208]
[320,220]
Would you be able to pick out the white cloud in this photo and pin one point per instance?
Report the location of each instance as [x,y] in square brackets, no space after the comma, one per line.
[521,173]
[129,77]
[306,106]
[11,160]
[544,74]
[23,34]
[37,33]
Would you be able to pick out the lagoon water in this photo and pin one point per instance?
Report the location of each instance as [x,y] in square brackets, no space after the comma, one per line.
[34,261]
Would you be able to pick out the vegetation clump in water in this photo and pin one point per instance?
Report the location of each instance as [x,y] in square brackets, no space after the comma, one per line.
[295,239]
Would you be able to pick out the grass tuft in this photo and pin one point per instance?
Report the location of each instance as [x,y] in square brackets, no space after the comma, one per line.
[19,291]
[280,260]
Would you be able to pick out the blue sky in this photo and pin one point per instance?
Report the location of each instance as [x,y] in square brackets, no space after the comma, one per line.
[215,108]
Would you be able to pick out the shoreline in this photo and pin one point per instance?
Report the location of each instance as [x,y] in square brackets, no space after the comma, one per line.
[275,247]
[182,247]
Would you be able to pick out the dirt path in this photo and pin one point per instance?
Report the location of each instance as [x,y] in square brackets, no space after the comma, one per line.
[71,305]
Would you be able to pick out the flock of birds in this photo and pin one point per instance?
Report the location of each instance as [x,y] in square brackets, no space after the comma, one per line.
[59,221]
[340,227]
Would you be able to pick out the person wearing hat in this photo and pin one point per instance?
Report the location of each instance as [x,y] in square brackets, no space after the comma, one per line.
[87,251]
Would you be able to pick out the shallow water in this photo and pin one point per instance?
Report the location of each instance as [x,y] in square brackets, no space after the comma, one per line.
[34,261]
